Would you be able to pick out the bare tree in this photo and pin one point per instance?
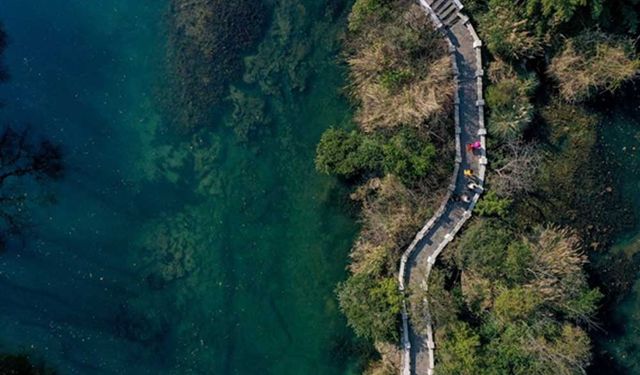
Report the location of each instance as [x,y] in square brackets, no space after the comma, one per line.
[518,173]
[22,159]
[25,162]
[3,45]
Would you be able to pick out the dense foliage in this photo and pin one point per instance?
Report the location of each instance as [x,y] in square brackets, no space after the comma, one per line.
[406,154]
[509,98]
[512,295]
[397,158]
[518,304]
[371,306]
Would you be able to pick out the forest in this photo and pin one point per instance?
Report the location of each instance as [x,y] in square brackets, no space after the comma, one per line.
[514,294]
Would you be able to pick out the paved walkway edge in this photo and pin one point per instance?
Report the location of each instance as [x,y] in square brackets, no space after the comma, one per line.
[402,275]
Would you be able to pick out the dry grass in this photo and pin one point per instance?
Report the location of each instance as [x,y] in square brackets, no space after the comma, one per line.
[407,44]
[389,364]
[419,101]
[391,215]
[558,257]
[593,62]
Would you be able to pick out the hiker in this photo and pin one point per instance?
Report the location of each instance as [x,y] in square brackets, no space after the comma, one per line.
[468,172]
[472,186]
[476,145]
[465,198]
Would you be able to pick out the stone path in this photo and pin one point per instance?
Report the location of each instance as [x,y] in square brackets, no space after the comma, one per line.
[418,259]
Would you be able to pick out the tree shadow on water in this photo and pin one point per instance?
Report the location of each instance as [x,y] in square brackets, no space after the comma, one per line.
[26,163]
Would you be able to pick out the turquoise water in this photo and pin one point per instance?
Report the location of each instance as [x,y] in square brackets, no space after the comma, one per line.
[619,345]
[171,252]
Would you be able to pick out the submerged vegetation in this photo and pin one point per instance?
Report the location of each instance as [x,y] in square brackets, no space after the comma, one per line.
[205,47]
[20,364]
[25,161]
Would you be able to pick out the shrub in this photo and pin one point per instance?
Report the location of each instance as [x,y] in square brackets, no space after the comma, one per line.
[400,70]
[408,156]
[371,306]
[593,62]
[510,103]
[492,205]
[346,153]
[364,10]
[507,32]
[459,351]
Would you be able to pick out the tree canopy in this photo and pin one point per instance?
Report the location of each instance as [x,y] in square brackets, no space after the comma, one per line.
[527,296]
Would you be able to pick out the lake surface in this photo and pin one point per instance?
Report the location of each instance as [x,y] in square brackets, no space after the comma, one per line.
[162,251]
[620,345]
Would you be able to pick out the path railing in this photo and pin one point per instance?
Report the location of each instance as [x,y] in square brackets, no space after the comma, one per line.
[456,182]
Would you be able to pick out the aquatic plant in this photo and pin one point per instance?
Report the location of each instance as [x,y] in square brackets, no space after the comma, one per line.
[4,74]
[22,364]
[249,114]
[172,243]
[23,160]
[205,46]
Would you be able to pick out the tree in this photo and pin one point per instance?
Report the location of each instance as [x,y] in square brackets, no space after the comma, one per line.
[558,275]
[347,154]
[518,303]
[492,205]
[482,248]
[458,352]
[563,10]
[372,306]
[408,156]
[517,173]
[509,33]
[593,62]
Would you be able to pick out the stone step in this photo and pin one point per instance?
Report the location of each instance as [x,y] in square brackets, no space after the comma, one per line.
[447,12]
[439,4]
[452,19]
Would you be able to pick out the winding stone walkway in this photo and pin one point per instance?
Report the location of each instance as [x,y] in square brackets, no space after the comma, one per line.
[418,259]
